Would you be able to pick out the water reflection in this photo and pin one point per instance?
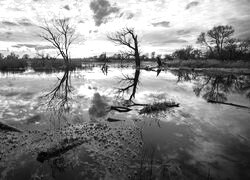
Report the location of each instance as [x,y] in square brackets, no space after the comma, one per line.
[60,95]
[195,141]
[129,84]
[215,86]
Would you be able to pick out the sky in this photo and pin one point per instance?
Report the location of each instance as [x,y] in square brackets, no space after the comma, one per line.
[162,25]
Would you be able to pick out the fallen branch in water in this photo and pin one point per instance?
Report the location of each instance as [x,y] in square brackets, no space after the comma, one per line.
[230,104]
[6,127]
[148,108]
[114,120]
[120,108]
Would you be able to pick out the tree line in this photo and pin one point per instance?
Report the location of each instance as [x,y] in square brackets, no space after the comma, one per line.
[219,43]
[216,43]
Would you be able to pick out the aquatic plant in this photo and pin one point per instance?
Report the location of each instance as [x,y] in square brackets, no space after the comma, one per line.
[156,107]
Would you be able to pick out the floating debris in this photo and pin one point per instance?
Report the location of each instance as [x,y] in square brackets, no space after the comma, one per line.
[163,106]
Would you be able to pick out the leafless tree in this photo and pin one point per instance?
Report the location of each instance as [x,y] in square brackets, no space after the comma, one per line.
[127,37]
[61,35]
[217,36]
[203,41]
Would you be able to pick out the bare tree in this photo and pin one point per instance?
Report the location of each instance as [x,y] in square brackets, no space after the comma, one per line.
[203,41]
[217,36]
[127,37]
[61,35]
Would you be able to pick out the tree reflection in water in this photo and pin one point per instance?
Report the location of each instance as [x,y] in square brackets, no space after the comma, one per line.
[128,83]
[215,86]
[59,96]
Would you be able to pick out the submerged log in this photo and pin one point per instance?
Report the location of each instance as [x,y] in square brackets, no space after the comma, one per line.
[230,104]
[5,127]
[64,147]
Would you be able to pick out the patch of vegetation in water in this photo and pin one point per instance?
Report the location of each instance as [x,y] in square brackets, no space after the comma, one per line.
[158,106]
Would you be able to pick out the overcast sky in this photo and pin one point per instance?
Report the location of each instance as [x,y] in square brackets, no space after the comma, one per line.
[162,25]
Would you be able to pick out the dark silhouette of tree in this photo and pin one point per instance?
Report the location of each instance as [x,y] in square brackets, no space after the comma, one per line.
[244,46]
[203,41]
[130,83]
[12,56]
[231,48]
[25,56]
[59,96]
[216,38]
[187,53]
[127,37]
[61,35]
[153,55]
[1,56]
[159,63]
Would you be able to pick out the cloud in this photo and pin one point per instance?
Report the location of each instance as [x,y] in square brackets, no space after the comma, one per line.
[26,36]
[183,32]
[169,41]
[130,16]
[35,46]
[241,27]
[162,23]
[161,38]
[102,9]
[192,4]
[66,7]
[8,23]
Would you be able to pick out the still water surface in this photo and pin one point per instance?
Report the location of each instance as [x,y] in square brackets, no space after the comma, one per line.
[70,131]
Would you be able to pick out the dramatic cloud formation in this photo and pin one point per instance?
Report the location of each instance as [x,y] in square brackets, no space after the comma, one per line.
[192,4]
[102,9]
[161,25]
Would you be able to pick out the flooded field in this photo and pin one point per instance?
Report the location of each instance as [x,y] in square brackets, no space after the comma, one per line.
[110,122]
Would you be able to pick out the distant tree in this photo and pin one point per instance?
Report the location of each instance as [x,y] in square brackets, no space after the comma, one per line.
[102,57]
[184,53]
[196,54]
[12,56]
[61,35]
[1,56]
[216,37]
[244,46]
[127,37]
[152,55]
[25,56]
[231,49]
[168,57]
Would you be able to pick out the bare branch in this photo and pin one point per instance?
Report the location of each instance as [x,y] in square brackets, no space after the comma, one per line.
[61,35]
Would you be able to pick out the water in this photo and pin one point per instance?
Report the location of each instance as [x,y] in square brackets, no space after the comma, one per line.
[66,135]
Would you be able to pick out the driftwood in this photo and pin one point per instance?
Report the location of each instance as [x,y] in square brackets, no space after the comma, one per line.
[230,104]
[5,127]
